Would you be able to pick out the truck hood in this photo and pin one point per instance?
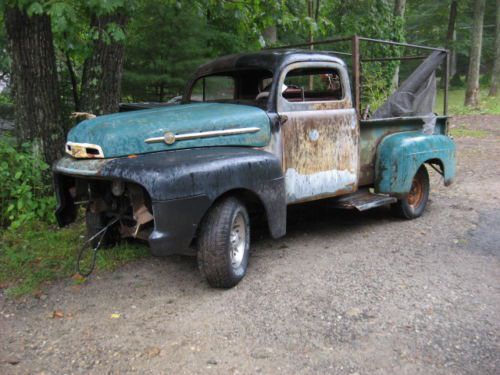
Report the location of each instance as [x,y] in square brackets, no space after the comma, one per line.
[170,128]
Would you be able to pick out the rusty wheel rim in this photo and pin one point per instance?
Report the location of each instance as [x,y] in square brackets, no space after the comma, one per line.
[416,194]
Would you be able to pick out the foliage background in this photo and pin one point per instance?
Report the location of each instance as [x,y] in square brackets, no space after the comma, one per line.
[166,39]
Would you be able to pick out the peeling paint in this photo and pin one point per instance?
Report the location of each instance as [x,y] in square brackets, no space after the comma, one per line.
[401,154]
[320,153]
[123,134]
[326,183]
[84,167]
[373,132]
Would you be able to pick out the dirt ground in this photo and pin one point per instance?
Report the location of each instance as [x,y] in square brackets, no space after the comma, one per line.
[342,293]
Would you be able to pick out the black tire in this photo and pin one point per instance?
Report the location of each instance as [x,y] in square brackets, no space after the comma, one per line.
[217,257]
[97,221]
[413,205]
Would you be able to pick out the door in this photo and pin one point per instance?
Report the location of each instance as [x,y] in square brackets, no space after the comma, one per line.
[320,131]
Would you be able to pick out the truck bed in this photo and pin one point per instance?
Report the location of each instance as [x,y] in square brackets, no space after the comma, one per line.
[374,130]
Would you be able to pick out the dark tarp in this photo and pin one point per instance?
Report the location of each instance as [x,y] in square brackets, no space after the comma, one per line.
[416,95]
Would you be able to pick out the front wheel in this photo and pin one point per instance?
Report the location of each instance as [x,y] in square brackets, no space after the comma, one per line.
[414,204]
[223,243]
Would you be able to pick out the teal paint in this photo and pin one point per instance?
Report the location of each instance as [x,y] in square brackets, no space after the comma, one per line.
[400,155]
[373,131]
[123,134]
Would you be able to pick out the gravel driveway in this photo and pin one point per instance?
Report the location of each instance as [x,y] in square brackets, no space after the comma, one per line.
[342,293]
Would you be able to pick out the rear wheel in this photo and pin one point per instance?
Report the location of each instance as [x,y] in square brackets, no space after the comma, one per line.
[414,204]
[224,243]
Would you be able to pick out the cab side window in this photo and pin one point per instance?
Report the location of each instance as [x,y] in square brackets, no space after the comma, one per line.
[313,84]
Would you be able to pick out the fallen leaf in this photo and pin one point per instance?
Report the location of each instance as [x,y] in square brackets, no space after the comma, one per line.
[58,314]
[37,294]
[152,351]
[115,316]
[77,277]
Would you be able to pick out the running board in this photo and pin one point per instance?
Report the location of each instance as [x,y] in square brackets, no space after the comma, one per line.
[363,200]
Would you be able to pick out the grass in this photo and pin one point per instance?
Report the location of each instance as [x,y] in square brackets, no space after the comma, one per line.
[464,132]
[34,255]
[456,97]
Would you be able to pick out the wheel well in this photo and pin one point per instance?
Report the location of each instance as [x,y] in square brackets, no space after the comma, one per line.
[436,164]
[253,203]
[251,200]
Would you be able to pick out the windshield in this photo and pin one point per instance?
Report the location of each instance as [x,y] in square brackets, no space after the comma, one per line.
[241,86]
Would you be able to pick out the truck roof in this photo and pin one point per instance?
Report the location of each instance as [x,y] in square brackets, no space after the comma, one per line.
[271,60]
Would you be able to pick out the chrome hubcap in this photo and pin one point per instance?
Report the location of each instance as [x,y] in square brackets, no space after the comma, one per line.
[237,240]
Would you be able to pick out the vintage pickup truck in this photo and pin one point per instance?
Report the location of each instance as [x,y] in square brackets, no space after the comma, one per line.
[254,133]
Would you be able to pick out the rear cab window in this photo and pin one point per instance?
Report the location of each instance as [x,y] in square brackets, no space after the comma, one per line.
[313,84]
[248,86]
[213,88]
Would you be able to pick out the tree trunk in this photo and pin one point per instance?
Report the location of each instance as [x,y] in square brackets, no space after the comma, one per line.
[313,13]
[472,90]
[34,78]
[495,74]
[451,35]
[399,8]
[399,11]
[74,82]
[103,70]
[270,35]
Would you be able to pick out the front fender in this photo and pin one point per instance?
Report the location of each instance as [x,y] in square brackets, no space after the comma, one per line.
[400,155]
[183,184]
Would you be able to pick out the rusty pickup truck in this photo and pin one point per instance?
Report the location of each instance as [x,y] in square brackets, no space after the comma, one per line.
[254,133]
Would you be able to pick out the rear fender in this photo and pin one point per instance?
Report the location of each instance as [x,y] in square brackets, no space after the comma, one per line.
[400,155]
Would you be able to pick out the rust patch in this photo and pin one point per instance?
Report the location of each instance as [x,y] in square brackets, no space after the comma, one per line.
[320,154]
[141,213]
[336,104]
[320,141]
[372,133]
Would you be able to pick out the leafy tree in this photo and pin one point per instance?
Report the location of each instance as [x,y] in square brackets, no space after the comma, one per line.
[88,37]
[161,51]
[103,69]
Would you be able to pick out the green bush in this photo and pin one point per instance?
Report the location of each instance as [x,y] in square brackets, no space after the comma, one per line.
[25,190]
[5,98]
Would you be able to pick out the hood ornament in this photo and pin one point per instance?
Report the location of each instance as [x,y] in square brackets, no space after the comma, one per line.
[169,138]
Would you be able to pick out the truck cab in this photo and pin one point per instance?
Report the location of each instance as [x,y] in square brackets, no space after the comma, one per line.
[253,134]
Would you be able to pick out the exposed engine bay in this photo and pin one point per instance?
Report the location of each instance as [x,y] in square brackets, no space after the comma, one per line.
[108,200]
